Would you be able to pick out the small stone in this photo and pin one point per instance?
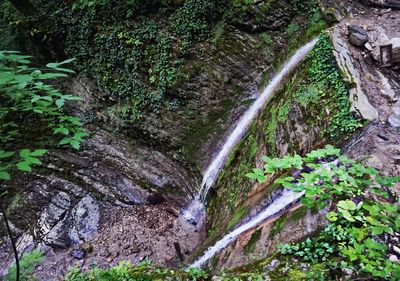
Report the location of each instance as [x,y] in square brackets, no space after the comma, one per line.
[104,253]
[368,47]
[78,254]
[304,266]
[393,258]
[347,271]
[273,264]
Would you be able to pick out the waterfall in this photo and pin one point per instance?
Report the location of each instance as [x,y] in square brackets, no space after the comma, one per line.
[285,200]
[213,170]
[282,203]
[195,212]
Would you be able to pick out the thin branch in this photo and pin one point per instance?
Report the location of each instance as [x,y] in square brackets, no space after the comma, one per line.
[17,277]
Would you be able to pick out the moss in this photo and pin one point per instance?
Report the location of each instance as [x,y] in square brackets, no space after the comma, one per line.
[250,246]
[240,213]
[277,226]
[297,275]
[298,213]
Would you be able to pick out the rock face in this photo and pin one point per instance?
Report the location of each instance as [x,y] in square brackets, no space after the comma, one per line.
[360,102]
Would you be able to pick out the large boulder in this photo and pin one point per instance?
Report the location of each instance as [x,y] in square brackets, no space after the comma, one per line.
[357,36]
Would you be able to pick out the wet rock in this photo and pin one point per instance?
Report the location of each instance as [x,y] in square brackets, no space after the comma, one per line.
[396,250]
[393,258]
[54,221]
[394,118]
[78,254]
[357,39]
[86,218]
[61,225]
[273,265]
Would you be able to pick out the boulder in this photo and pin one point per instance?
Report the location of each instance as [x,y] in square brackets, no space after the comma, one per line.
[357,29]
[358,39]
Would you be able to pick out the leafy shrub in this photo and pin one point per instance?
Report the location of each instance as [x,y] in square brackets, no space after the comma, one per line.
[325,80]
[28,263]
[26,99]
[362,211]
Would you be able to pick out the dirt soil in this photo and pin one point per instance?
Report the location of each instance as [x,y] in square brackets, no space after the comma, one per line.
[132,234]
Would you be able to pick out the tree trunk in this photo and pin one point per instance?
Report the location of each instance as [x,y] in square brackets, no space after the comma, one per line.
[25,7]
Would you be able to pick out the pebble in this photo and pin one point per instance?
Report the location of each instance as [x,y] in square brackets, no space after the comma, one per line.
[273,264]
[393,258]
[78,254]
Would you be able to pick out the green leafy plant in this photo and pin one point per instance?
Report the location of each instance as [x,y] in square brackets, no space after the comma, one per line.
[362,215]
[28,263]
[27,99]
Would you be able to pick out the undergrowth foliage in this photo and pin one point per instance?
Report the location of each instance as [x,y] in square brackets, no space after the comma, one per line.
[27,101]
[27,263]
[364,214]
[133,49]
[324,80]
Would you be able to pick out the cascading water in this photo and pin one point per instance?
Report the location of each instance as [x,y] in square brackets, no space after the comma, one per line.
[287,198]
[282,203]
[195,212]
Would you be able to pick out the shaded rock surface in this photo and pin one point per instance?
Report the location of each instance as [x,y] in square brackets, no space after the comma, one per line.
[124,189]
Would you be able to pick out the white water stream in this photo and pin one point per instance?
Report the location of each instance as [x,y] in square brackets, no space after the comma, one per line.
[287,198]
[213,170]
[195,212]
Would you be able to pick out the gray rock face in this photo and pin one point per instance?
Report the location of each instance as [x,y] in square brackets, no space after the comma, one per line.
[394,118]
[68,219]
[359,100]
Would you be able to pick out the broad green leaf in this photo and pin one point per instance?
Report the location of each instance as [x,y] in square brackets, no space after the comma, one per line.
[65,141]
[4,176]
[75,144]
[6,154]
[347,205]
[39,152]
[24,153]
[61,130]
[60,103]
[251,176]
[23,166]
